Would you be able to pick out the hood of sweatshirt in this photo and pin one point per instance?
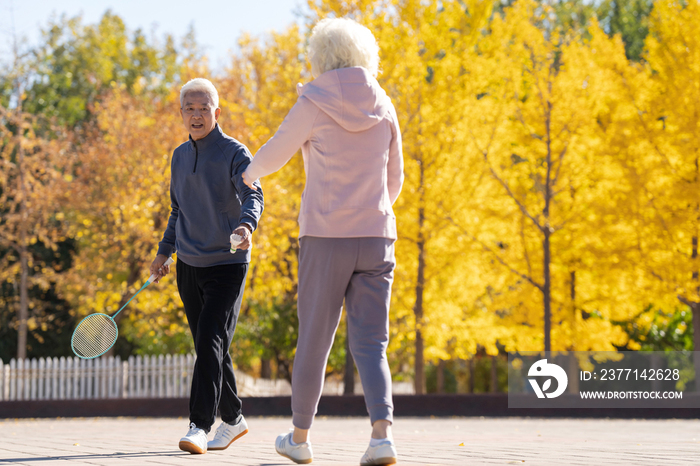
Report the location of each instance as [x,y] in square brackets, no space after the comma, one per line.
[352,97]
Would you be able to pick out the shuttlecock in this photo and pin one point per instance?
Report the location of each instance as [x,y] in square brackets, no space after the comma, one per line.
[235,241]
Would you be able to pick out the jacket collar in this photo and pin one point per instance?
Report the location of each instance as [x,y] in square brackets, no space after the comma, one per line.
[208,140]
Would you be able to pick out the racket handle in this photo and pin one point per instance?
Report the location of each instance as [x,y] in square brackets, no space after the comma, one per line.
[154,276]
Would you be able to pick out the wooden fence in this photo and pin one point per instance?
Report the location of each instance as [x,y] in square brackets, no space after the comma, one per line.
[162,376]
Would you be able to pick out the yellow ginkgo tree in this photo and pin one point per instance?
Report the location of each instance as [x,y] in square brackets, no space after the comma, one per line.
[120,205]
[659,141]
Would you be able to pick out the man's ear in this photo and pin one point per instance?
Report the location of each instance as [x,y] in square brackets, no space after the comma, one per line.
[181,115]
[217,112]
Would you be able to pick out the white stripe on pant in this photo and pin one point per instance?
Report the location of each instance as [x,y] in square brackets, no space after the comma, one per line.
[361,271]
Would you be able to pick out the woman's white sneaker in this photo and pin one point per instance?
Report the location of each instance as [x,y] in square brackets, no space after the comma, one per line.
[300,453]
[382,454]
[195,441]
[226,434]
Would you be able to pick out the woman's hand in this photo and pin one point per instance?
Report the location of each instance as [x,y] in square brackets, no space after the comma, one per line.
[248,182]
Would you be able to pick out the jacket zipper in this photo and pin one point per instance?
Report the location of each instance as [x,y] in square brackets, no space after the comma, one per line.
[196,156]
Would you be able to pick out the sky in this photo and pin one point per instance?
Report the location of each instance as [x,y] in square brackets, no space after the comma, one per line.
[217,26]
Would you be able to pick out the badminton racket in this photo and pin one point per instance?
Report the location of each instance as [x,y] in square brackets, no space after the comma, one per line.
[97,333]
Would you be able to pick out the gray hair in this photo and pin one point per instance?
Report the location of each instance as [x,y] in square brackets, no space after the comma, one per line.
[200,85]
[342,43]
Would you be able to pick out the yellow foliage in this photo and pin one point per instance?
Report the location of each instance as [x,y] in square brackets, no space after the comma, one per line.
[121,203]
[544,173]
[658,142]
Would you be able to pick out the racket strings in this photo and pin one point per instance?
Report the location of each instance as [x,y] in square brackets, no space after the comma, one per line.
[94,336]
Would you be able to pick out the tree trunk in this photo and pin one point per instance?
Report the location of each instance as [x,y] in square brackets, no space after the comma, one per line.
[23,305]
[695,308]
[472,368]
[546,294]
[419,381]
[574,328]
[265,368]
[494,374]
[573,373]
[440,385]
[546,290]
[284,369]
[349,378]
[419,363]
[572,368]
[23,252]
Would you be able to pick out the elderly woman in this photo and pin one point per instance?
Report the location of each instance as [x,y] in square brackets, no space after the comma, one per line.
[350,140]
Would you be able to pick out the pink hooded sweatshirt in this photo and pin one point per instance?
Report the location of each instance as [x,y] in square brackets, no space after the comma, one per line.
[349,136]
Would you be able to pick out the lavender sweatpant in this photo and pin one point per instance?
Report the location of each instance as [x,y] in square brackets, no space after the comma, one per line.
[361,271]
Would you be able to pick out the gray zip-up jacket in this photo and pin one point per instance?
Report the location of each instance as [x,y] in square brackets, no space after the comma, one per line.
[209,200]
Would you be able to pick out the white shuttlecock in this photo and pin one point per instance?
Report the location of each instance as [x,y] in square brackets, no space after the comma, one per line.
[235,241]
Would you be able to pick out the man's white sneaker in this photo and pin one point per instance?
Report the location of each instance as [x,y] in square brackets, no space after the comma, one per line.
[195,441]
[226,434]
[382,454]
[300,453]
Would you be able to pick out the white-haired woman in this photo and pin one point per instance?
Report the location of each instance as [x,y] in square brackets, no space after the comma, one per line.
[349,135]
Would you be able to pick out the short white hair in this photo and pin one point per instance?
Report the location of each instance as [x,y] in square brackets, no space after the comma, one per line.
[342,43]
[200,85]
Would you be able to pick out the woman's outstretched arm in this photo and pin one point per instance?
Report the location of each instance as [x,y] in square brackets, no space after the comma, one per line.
[292,133]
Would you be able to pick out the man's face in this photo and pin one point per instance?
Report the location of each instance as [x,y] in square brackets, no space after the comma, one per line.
[198,114]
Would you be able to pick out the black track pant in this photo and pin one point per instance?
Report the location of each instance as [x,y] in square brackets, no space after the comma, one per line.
[212,299]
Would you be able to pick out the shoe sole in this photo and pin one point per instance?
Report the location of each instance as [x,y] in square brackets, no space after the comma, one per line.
[295,460]
[229,444]
[191,447]
[381,461]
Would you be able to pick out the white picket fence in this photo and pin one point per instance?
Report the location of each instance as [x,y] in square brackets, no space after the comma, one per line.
[336,387]
[162,376]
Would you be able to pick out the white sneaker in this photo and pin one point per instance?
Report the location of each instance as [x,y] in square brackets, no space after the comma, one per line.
[195,441]
[300,453]
[226,434]
[382,454]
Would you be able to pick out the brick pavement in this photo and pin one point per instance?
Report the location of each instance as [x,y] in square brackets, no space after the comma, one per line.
[340,441]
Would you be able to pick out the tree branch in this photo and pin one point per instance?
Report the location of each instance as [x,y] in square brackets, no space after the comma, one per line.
[498,258]
[559,164]
[687,302]
[522,208]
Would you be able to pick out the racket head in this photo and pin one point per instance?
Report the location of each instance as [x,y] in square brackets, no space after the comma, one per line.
[94,336]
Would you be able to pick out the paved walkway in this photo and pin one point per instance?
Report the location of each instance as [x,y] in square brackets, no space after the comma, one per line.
[420,441]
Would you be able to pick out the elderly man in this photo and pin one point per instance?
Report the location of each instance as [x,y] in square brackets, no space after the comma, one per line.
[210,202]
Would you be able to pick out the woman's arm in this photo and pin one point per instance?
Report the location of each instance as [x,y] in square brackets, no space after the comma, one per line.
[292,133]
[395,166]
[252,201]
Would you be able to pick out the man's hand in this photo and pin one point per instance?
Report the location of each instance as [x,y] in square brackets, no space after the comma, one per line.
[244,231]
[158,269]
[248,181]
